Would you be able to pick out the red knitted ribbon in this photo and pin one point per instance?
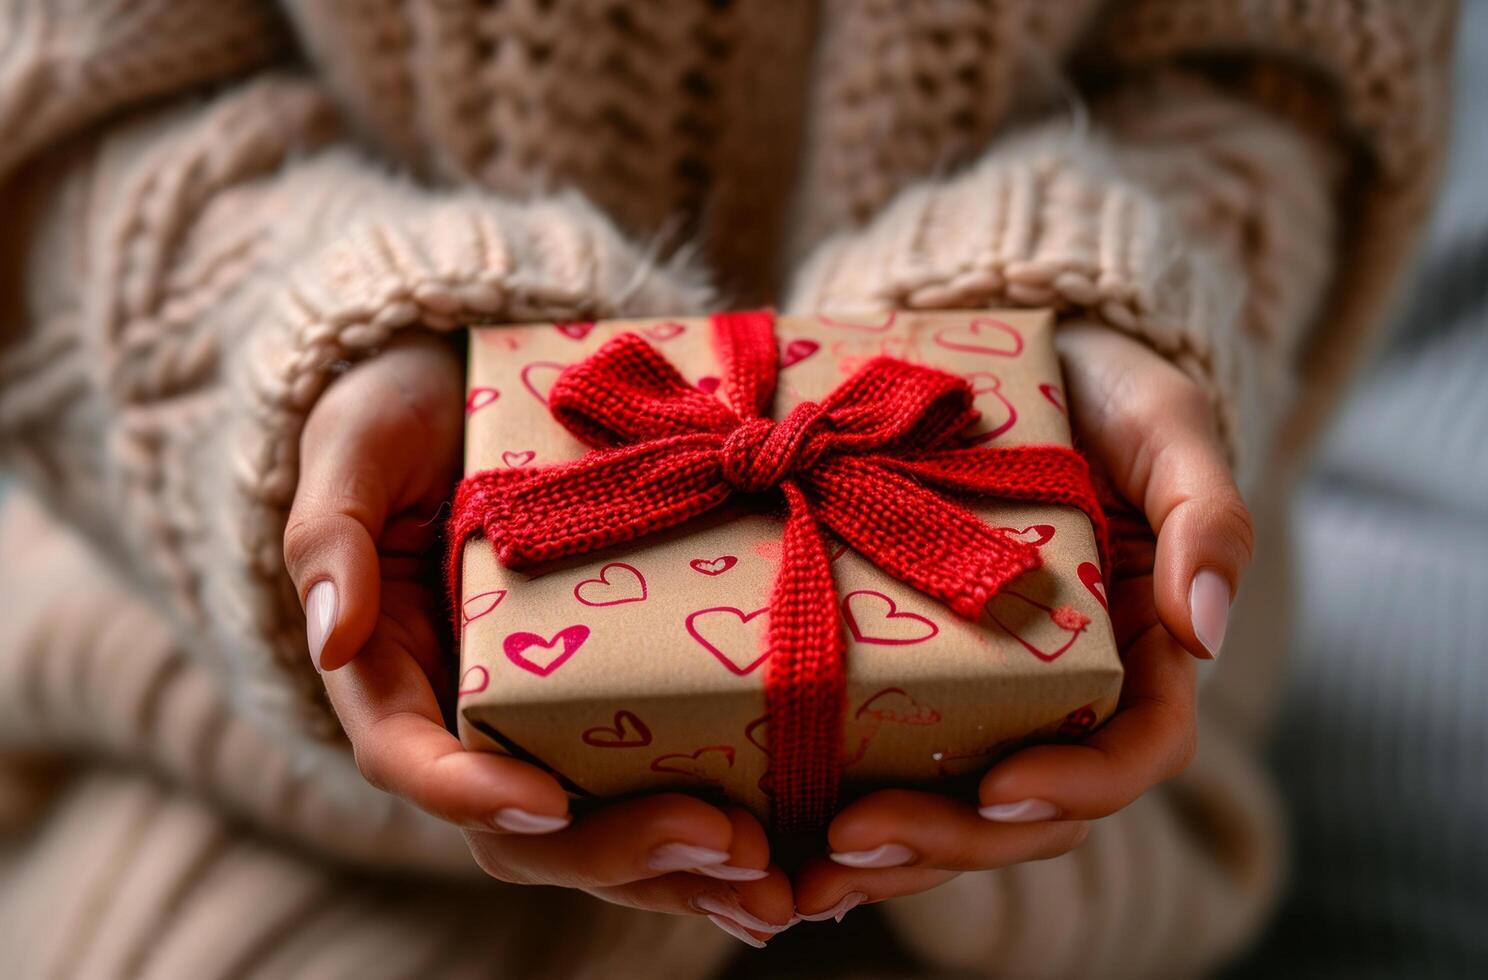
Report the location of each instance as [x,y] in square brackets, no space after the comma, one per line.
[866,462]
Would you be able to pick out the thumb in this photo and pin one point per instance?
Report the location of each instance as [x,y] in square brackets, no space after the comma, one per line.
[1153,429]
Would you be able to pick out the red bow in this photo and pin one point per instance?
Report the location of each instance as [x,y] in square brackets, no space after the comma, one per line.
[862,462]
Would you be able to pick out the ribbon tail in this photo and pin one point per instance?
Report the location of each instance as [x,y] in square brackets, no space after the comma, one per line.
[916,535]
[1039,474]
[805,688]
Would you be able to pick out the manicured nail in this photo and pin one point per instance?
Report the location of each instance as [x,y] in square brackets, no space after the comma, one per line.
[737,931]
[729,908]
[844,905]
[684,857]
[728,872]
[518,821]
[882,856]
[1024,811]
[320,617]
[1209,607]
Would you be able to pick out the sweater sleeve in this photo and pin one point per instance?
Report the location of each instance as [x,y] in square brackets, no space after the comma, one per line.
[190,280]
[1180,215]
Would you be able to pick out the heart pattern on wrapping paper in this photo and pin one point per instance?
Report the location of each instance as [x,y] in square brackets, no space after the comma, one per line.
[983,335]
[713,566]
[873,617]
[664,331]
[724,632]
[576,330]
[617,584]
[1040,634]
[797,351]
[474,680]
[699,764]
[709,384]
[1090,577]
[754,733]
[479,605]
[563,645]
[987,383]
[538,377]
[514,459]
[896,705]
[870,327]
[1037,535]
[1054,396]
[627,732]
[480,396]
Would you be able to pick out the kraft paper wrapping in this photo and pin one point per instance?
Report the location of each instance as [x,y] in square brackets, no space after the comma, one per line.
[642,668]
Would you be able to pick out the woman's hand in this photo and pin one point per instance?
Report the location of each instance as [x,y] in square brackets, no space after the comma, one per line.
[379,457]
[1150,432]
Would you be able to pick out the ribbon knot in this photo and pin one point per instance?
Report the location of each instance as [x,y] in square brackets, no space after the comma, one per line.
[761,453]
[874,462]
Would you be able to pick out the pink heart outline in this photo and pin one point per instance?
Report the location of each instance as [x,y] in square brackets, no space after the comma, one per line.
[541,394]
[480,396]
[857,631]
[598,735]
[1090,577]
[1054,396]
[665,330]
[467,617]
[515,459]
[866,327]
[1066,618]
[947,338]
[921,713]
[713,566]
[574,329]
[720,655]
[604,581]
[468,682]
[994,389]
[752,728]
[797,351]
[516,644]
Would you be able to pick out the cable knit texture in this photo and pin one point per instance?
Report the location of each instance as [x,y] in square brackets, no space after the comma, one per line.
[215,206]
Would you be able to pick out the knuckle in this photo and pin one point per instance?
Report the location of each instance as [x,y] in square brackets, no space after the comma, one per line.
[302,538]
[371,762]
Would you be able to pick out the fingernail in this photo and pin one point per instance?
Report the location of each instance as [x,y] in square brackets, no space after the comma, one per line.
[320,617]
[518,821]
[844,905]
[1024,811]
[729,908]
[737,931]
[1209,607]
[727,872]
[684,857]
[882,856]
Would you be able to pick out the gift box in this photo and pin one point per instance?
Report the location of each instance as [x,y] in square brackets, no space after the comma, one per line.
[626,538]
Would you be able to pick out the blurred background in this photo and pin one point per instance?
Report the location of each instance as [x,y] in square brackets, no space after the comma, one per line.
[1382,749]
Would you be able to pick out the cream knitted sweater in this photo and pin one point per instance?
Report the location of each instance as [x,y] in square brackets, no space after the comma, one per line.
[208,208]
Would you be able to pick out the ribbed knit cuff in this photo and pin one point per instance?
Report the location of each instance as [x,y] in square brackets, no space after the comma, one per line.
[1047,221]
[413,260]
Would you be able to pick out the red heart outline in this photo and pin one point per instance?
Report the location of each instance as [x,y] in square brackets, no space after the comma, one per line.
[474,680]
[995,388]
[516,644]
[751,730]
[600,735]
[944,337]
[713,566]
[718,654]
[1054,396]
[923,714]
[540,395]
[893,613]
[518,458]
[1090,577]
[797,351]
[665,330]
[480,605]
[575,329]
[657,764]
[866,327]
[1055,615]
[1042,534]
[604,580]
[480,396]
